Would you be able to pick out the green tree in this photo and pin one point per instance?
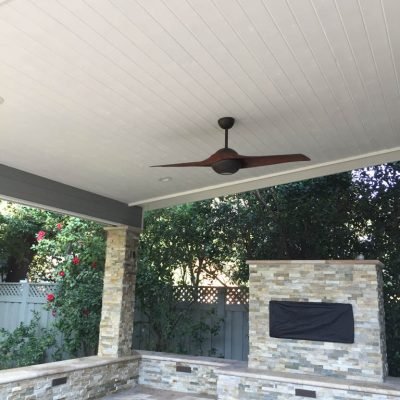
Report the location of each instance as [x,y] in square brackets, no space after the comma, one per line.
[18,228]
[180,245]
[378,212]
[304,220]
[193,239]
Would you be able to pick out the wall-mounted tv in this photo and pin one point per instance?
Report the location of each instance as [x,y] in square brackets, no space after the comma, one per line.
[327,322]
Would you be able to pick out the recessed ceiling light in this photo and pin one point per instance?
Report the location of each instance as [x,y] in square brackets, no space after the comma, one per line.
[165,179]
[1,100]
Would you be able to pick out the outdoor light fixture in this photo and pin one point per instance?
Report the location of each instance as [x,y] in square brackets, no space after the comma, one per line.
[165,179]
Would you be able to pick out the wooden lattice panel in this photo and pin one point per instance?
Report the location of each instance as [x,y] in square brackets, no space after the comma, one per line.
[235,295]
[10,289]
[207,295]
[210,295]
[183,294]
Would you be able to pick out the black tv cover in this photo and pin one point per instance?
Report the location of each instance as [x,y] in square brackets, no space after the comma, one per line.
[327,322]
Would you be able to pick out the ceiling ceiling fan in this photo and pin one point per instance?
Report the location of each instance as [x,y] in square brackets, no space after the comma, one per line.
[227,161]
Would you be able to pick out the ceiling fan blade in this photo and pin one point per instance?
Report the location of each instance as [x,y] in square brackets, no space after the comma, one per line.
[221,154]
[259,161]
[204,163]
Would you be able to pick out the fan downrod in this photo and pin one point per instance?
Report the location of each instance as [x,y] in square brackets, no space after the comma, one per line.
[226,122]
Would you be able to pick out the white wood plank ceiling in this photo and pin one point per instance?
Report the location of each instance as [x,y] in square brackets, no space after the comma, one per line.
[96,91]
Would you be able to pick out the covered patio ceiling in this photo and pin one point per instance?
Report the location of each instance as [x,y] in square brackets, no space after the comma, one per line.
[95,92]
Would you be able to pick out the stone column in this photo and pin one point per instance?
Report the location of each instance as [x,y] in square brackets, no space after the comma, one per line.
[116,326]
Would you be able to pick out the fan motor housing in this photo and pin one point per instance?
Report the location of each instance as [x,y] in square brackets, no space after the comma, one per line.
[227,167]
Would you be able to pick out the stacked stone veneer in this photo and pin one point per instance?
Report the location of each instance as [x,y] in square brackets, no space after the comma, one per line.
[95,377]
[354,282]
[116,326]
[186,374]
[79,379]
[245,385]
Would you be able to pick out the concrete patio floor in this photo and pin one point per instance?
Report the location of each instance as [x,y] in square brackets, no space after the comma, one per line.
[144,393]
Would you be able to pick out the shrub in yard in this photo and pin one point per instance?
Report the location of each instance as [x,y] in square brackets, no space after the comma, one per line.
[26,345]
[72,254]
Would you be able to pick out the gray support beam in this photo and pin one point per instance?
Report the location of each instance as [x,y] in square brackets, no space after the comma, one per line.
[30,189]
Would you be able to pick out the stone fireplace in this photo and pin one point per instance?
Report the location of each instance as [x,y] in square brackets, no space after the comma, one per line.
[358,283]
[291,368]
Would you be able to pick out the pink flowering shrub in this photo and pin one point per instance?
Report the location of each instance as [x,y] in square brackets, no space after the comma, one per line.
[71,248]
[40,235]
[50,297]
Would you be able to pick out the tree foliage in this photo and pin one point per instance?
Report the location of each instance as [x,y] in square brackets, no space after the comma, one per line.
[193,239]
[18,227]
[305,220]
[378,202]
[180,245]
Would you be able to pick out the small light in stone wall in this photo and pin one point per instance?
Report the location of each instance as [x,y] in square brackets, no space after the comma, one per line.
[165,179]
[360,257]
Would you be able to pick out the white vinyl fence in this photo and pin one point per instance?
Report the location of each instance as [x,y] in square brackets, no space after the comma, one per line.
[18,300]
[210,305]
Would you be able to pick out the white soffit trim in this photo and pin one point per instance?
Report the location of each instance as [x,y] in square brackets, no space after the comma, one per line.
[295,175]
